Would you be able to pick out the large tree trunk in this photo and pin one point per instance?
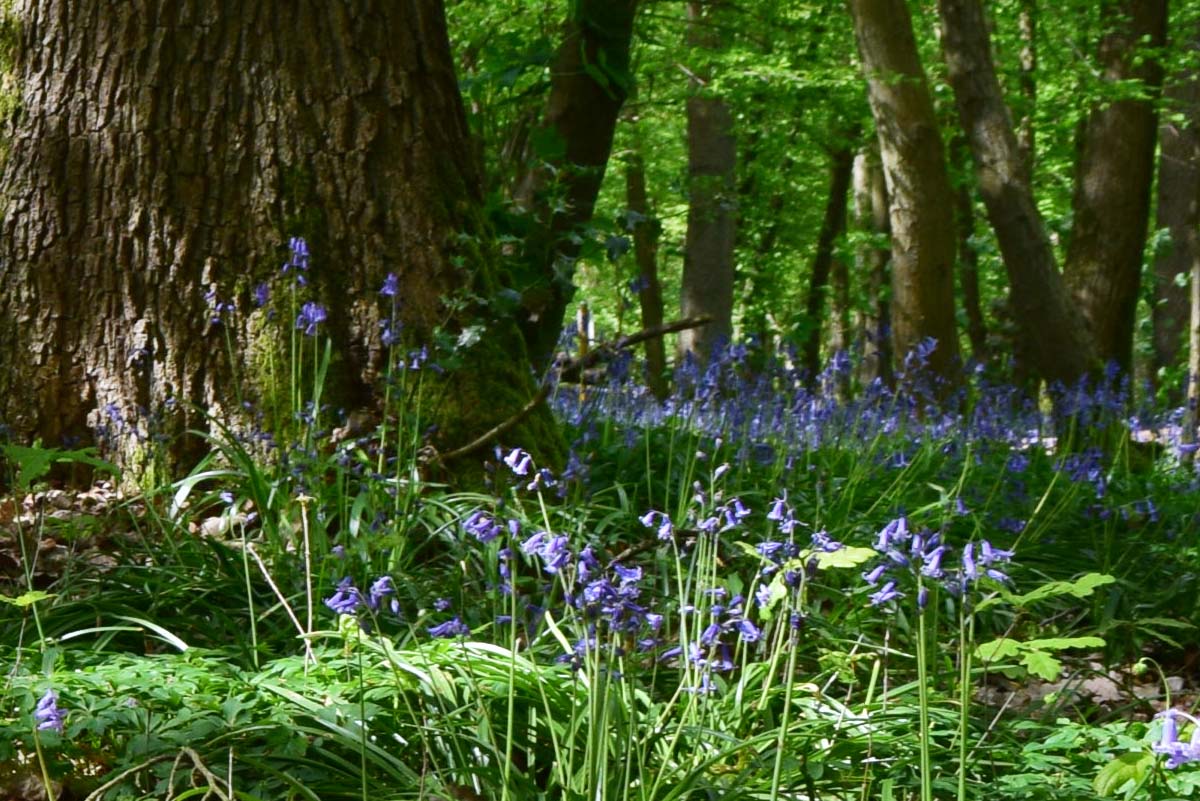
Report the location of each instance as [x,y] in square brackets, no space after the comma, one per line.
[873,261]
[707,286]
[1051,331]
[918,185]
[1179,213]
[165,151]
[1113,176]
[833,225]
[589,82]
[645,250]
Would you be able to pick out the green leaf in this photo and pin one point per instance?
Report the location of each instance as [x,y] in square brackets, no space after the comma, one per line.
[1080,588]
[1003,648]
[26,599]
[1062,643]
[844,557]
[1125,768]
[1042,664]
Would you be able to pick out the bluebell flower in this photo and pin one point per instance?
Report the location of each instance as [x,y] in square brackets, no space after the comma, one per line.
[391,286]
[519,461]
[1177,753]
[48,715]
[347,599]
[262,294]
[777,509]
[381,589]
[441,604]
[311,315]
[665,527]
[454,627]
[297,259]
[887,593]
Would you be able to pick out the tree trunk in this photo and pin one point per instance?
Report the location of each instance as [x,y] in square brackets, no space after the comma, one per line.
[918,184]
[590,80]
[873,261]
[833,225]
[164,152]
[1027,30]
[1178,213]
[968,256]
[707,286]
[1191,412]
[1111,203]
[1050,329]
[645,250]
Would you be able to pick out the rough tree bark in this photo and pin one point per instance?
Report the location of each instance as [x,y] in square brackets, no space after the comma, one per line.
[1178,212]
[1114,173]
[167,149]
[1052,331]
[918,185]
[590,80]
[707,285]
[873,261]
[833,225]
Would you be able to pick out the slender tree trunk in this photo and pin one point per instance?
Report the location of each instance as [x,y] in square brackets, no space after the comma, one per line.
[590,79]
[645,249]
[1050,328]
[164,153]
[1191,413]
[918,184]
[1113,177]
[1027,18]
[833,225]
[1179,213]
[968,256]
[707,287]
[873,261]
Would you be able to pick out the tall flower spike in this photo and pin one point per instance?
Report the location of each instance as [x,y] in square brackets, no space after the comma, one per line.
[48,715]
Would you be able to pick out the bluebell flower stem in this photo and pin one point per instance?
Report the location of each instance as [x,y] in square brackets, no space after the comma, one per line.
[37,745]
[966,636]
[781,741]
[923,704]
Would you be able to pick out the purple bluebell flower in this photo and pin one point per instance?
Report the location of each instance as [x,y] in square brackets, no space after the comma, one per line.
[347,599]
[48,715]
[391,286]
[887,593]
[311,315]
[652,518]
[777,511]
[872,576]
[382,588]
[749,632]
[297,259]
[441,604]
[454,627]
[262,294]
[1177,753]
[519,461]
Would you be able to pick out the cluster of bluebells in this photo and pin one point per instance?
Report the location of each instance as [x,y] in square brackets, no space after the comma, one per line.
[923,555]
[298,260]
[771,410]
[1177,752]
[712,652]
[48,714]
[348,599]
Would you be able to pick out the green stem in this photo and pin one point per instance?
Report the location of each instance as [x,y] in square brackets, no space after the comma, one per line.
[923,701]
